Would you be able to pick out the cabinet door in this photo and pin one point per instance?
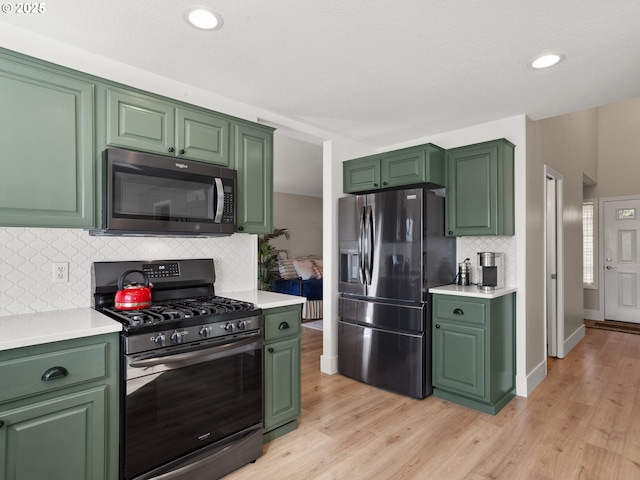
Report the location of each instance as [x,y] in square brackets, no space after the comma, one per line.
[480,189]
[282,382]
[46,133]
[361,175]
[140,122]
[202,136]
[58,439]
[254,162]
[403,168]
[472,191]
[459,359]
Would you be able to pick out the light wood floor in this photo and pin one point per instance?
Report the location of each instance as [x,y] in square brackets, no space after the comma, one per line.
[582,422]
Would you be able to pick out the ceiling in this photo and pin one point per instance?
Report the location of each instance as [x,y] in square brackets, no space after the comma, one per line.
[380,72]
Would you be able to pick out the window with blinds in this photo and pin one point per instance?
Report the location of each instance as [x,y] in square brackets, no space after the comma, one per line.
[589,244]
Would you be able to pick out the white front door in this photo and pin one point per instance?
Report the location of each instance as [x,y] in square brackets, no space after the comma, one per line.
[622,260]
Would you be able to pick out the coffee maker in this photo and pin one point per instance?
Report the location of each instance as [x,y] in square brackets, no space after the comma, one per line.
[490,270]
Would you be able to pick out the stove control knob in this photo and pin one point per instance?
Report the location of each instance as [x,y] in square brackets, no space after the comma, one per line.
[205,332]
[176,337]
[159,340]
[228,327]
[242,324]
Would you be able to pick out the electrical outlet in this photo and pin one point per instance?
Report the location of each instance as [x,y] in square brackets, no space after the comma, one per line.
[61,272]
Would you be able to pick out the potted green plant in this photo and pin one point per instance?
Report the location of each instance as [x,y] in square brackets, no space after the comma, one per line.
[268,257]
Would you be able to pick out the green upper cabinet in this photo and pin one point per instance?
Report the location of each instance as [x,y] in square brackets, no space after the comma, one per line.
[46,133]
[480,189]
[144,122]
[140,122]
[253,149]
[361,174]
[408,166]
[203,136]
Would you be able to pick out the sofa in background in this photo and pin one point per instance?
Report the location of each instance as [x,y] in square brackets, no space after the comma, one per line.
[302,277]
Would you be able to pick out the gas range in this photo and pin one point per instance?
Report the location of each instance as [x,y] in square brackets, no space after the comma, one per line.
[184,308]
[191,372]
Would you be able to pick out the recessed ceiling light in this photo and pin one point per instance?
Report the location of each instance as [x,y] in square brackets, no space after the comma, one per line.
[548,60]
[203,18]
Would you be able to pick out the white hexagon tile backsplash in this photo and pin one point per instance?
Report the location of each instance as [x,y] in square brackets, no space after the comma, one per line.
[469,247]
[27,256]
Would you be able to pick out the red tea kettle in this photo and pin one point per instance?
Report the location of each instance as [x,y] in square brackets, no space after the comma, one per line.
[133,296]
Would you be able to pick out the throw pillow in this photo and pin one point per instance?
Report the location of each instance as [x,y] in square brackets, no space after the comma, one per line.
[317,268]
[304,269]
[287,270]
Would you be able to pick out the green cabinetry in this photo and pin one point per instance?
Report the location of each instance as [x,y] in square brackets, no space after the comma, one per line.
[281,370]
[480,189]
[408,166]
[253,147]
[46,133]
[144,122]
[59,410]
[474,350]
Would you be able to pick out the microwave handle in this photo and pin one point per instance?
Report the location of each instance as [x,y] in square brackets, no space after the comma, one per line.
[220,202]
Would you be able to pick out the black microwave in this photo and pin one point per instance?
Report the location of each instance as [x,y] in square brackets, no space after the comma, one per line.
[154,195]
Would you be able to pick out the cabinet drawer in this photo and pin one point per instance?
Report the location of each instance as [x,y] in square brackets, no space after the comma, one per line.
[22,377]
[281,323]
[460,311]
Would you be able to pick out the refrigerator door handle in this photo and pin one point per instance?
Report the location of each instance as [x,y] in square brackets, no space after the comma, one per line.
[361,247]
[369,245]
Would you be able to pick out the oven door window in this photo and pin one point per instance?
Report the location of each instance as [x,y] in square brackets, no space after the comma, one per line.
[179,411]
[145,193]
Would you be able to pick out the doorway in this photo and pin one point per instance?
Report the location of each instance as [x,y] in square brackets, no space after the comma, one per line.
[621,262]
[553,265]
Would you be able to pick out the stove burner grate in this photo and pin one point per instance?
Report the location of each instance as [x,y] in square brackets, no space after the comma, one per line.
[180,309]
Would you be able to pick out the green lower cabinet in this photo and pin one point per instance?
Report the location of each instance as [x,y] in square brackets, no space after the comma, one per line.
[59,419]
[46,133]
[59,439]
[474,350]
[281,370]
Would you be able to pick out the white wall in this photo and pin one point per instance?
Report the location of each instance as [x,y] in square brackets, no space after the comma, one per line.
[301,215]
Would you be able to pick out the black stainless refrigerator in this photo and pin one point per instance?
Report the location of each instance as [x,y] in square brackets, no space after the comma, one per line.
[392,250]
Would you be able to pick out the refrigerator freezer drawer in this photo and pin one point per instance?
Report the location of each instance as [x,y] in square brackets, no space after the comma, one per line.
[384,315]
[392,361]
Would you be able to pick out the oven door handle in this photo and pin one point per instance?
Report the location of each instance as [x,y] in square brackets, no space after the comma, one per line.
[199,356]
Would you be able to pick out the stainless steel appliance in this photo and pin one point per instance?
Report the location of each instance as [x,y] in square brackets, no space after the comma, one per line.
[191,387]
[147,194]
[464,273]
[392,250]
[490,270]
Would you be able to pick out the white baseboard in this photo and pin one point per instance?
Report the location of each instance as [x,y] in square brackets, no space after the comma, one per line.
[533,379]
[328,365]
[574,339]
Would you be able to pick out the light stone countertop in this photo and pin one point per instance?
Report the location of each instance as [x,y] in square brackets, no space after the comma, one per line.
[471,291]
[264,299]
[29,329]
